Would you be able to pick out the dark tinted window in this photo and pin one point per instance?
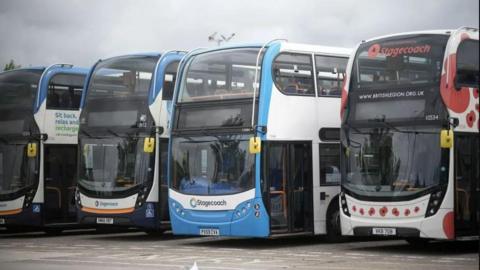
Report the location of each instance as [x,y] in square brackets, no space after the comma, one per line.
[329,164]
[329,134]
[330,74]
[169,80]
[215,115]
[467,63]
[293,74]
[118,92]
[65,92]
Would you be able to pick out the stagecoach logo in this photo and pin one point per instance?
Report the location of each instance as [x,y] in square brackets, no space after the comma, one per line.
[105,204]
[194,202]
[376,49]
[3,205]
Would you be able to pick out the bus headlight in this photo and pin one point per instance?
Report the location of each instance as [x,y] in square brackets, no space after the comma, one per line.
[242,210]
[434,203]
[343,204]
[142,196]
[27,202]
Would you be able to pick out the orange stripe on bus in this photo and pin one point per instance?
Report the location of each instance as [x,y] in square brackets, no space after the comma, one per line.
[108,211]
[10,212]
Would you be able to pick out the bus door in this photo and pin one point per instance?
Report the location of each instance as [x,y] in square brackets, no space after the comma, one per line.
[289,174]
[60,169]
[466,183]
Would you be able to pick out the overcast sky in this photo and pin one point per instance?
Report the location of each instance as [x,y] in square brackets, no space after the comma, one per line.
[41,32]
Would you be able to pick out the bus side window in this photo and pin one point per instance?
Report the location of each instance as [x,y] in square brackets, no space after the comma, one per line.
[330,74]
[293,74]
[169,80]
[467,64]
[329,164]
[65,92]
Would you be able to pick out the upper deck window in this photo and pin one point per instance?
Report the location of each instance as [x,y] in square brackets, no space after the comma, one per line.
[293,74]
[330,74]
[399,61]
[220,75]
[18,90]
[467,64]
[118,91]
[65,92]
[169,80]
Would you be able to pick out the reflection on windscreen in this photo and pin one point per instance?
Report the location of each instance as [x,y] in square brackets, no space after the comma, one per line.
[118,92]
[209,166]
[16,169]
[386,162]
[228,74]
[113,165]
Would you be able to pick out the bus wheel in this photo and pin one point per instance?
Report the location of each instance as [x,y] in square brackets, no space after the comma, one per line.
[333,223]
[417,241]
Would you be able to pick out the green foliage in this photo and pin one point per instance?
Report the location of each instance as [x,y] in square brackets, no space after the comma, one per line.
[11,65]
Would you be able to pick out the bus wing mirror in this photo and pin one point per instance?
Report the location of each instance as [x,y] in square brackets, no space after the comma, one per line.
[255,145]
[149,145]
[446,138]
[32,150]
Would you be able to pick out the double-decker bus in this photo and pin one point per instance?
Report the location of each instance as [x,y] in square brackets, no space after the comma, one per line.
[410,144]
[254,146]
[38,146]
[123,141]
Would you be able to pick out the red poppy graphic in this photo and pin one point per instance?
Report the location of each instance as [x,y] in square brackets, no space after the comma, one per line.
[464,36]
[374,50]
[407,212]
[361,211]
[471,118]
[371,212]
[475,92]
[395,212]
[383,211]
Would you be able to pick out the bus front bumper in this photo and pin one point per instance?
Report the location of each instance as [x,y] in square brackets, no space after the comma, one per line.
[145,217]
[244,221]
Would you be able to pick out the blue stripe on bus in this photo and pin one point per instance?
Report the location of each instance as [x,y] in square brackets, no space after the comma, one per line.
[157,86]
[266,84]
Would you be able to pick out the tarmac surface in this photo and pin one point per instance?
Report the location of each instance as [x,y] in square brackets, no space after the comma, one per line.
[91,250]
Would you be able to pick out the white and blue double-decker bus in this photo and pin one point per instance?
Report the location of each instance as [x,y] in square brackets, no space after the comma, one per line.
[123,141]
[38,146]
[254,146]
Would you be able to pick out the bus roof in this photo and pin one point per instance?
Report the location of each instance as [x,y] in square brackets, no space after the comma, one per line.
[422,32]
[133,55]
[285,45]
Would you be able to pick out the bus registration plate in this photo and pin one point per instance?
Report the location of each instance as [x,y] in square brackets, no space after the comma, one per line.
[210,232]
[102,220]
[384,231]
[2,221]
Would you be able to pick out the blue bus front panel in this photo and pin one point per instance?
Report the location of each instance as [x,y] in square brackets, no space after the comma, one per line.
[248,219]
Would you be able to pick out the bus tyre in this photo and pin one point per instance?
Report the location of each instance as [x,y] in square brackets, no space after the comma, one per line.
[333,222]
[417,241]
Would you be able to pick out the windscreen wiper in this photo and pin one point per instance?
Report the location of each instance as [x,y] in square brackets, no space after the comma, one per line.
[385,123]
[113,132]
